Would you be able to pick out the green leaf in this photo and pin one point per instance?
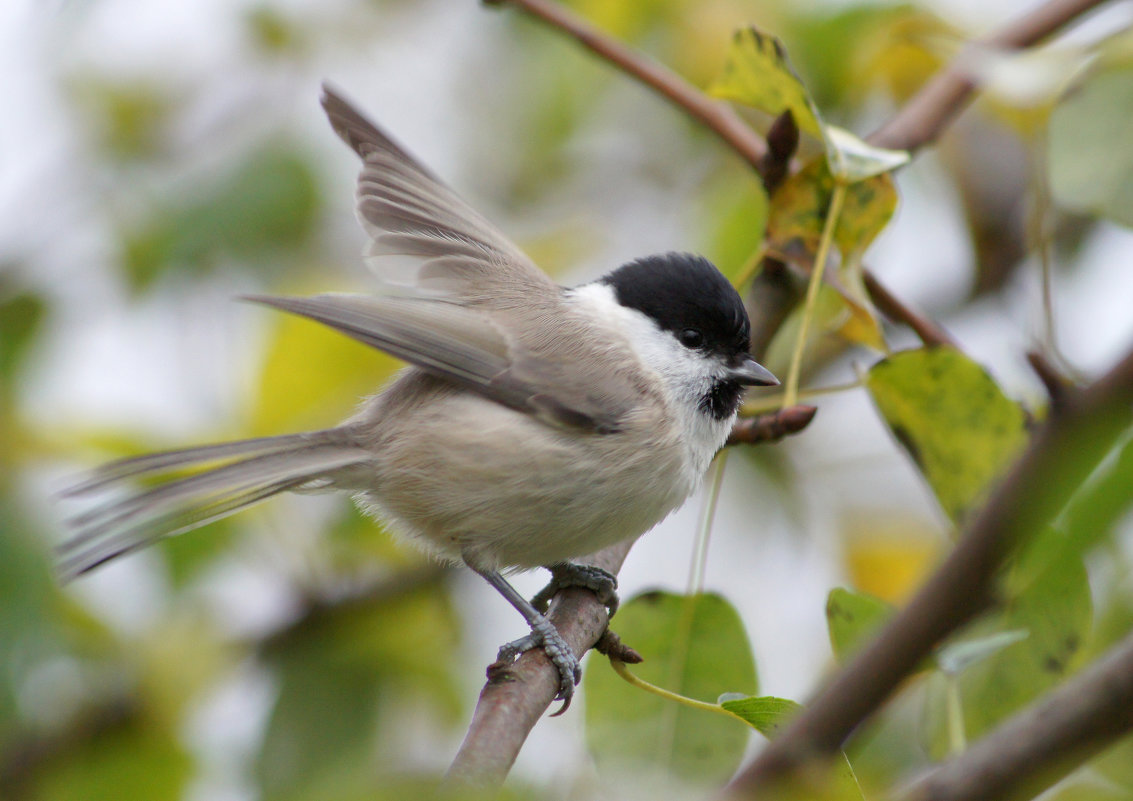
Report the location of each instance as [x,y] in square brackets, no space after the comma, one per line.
[1091,145]
[766,713]
[954,421]
[798,213]
[266,206]
[769,715]
[334,666]
[695,646]
[956,657]
[758,73]
[735,214]
[1090,517]
[1056,612]
[116,756]
[852,618]
[21,316]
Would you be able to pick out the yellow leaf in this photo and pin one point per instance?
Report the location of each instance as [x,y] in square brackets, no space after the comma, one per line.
[889,556]
[314,377]
[758,73]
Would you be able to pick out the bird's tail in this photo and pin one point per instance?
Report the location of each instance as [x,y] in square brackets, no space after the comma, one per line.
[232,476]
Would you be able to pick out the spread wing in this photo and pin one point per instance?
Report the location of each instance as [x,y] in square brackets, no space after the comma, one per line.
[477,350]
[424,237]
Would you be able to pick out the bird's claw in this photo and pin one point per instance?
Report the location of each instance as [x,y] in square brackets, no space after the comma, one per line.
[544,635]
[602,583]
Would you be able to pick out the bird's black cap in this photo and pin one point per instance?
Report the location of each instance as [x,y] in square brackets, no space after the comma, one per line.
[681,291]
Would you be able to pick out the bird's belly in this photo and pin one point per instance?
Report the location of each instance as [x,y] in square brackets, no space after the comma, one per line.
[503,490]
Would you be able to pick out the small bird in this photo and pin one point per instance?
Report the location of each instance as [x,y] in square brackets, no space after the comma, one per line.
[536,423]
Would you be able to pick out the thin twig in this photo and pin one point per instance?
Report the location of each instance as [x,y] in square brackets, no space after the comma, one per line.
[1038,746]
[771,427]
[928,330]
[716,115]
[1062,453]
[936,105]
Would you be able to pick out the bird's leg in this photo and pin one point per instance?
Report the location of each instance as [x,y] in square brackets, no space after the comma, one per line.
[543,635]
[601,582]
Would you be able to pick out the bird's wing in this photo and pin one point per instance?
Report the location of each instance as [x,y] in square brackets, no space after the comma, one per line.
[482,352]
[425,239]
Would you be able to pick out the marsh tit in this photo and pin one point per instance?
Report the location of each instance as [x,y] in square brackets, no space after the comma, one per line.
[536,423]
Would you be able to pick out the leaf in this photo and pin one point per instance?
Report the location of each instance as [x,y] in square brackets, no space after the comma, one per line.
[265,206]
[854,160]
[21,317]
[951,417]
[955,657]
[735,215]
[1089,518]
[695,646]
[334,666]
[769,715]
[313,376]
[758,73]
[794,230]
[1056,612]
[798,213]
[766,714]
[121,756]
[852,618]
[1091,145]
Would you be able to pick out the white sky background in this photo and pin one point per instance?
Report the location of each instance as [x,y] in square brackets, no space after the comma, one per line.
[114,364]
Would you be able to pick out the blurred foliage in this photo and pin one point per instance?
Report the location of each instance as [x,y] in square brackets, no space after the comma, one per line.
[852,619]
[696,647]
[1091,169]
[368,653]
[267,206]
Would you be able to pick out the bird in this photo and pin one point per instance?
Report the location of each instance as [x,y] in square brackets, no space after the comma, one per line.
[533,425]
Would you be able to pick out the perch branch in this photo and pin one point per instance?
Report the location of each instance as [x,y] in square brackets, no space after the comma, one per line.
[513,701]
[1062,453]
[1044,742]
[509,707]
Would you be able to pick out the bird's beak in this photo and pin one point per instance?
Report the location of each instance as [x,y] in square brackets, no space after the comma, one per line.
[751,373]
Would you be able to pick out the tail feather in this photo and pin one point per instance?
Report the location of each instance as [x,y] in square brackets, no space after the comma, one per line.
[270,466]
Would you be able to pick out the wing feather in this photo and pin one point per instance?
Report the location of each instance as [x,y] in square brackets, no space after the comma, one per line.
[409,211]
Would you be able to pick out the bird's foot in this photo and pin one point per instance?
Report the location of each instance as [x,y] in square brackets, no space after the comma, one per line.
[601,582]
[544,635]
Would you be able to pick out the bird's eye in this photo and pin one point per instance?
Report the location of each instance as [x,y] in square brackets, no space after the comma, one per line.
[691,338]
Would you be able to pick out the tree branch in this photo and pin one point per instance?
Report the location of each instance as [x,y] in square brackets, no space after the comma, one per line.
[1061,455]
[1044,742]
[716,115]
[509,707]
[512,702]
[925,117]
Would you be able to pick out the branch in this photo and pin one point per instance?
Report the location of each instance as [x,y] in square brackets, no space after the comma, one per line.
[1074,439]
[507,710]
[928,330]
[925,117]
[771,427]
[717,115]
[516,697]
[1044,742]
[922,120]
